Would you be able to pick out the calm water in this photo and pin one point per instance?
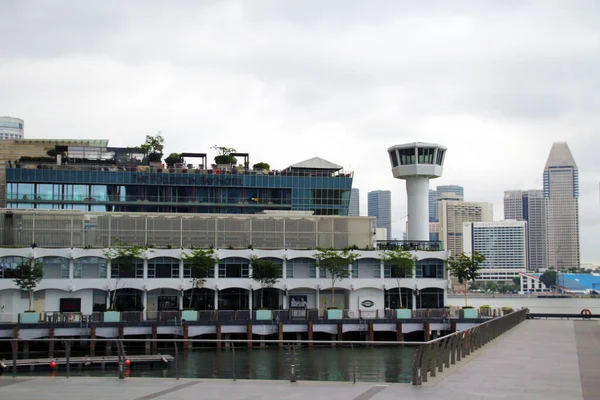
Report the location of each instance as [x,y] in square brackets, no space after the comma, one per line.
[377,364]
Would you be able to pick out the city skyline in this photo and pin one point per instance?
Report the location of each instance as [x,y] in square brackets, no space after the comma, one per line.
[379,205]
[497,83]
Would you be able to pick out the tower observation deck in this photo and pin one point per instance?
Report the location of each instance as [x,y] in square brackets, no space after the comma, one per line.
[417,163]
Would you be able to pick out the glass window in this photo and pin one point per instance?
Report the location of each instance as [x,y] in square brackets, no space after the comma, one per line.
[234,267]
[55,267]
[89,268]
[163,267]
[127,268]
[25,191]
[99,193]
[8,265]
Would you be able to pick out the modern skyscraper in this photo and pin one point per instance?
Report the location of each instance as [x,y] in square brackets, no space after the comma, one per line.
[504,245]
[443,192]
[530,206]
[354,207]
[11,128]
[433,211]
[379,203]
[452,216]
[561,193]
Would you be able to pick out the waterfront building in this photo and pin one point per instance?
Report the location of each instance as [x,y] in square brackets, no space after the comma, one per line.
[452,216]
[32,149]
[379,203]
[79,277]
[561,193]
[502,243]
[123,179]
[530,206]
[354,207]
[11,128]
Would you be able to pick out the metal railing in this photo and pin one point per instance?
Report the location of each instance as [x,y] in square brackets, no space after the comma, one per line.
[209,316]
[431,357]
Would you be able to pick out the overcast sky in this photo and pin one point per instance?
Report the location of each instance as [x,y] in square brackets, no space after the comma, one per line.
[495,81]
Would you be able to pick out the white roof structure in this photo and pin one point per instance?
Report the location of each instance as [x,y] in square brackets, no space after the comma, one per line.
[560,156]
[316,163]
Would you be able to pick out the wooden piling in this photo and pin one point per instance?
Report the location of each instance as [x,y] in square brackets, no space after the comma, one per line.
[51,342]
[310,333]
[280,333]
[218,336]
[427,331]
[399,334]
[92,340]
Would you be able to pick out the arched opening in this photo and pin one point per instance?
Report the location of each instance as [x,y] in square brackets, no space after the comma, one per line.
[272,299]
[234,299]
[8,266]
[128,300]
[430,298]
[234,267]
[89,268]
[163,267]
[392,300]
[199,299]
[430,268]
[55,267]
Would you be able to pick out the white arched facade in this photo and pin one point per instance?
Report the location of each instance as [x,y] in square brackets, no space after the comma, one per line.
[85,274]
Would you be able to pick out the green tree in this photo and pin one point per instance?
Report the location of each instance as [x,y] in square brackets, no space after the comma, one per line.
[465,268]
[549,278]
[266,273]
[335,262]
[27,276]
[517,281]
[174,158]
[153,147]
[402,264]
[261,165]
[202,265]
[124,257]
[224,156]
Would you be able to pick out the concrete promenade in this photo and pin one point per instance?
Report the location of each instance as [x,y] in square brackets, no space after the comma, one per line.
[539,359]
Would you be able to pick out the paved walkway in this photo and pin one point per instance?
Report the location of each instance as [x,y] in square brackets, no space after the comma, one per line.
[536,360]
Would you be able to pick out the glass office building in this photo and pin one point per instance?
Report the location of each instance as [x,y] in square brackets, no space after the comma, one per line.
[129,185]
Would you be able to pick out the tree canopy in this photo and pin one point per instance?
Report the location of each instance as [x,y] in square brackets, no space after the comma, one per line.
[402,264]
[465,268]
[549,278]
[336,263]
[202,265]
[266,273]
[28,275]
[173,158]
[124,257]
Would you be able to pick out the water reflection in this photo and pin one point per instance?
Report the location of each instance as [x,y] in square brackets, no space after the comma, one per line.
[368,364]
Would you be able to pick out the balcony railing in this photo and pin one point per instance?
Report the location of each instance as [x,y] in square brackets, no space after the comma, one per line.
[160,170]
[407,245]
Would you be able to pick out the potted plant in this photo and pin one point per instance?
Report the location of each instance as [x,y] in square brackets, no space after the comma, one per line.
[172,159]
[27,276]
[202,265]
[124,257]
[266,273]
[335,262]
[224,157]
[402,265]
[261,167]
[153,147]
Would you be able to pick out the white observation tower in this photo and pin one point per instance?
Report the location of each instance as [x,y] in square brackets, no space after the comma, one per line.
[417,163]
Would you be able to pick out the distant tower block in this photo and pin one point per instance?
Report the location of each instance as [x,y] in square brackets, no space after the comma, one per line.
[417,163]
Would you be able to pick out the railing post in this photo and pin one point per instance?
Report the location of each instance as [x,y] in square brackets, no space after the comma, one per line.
[68,358]
[233,360]
[176,361]
[416,370]
[121,356]
[15,348]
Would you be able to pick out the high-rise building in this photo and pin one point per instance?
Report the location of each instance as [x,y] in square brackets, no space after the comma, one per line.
[354,207]
[11,128]
[379,203]
[529,205]
[504,245]
[443,192]
[561,193]
[452,216]
[433,211]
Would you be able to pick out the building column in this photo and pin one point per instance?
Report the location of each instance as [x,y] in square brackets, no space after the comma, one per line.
[145,304]
[216,300]
[414,299]
[180,299]
[250,294]
[71,264]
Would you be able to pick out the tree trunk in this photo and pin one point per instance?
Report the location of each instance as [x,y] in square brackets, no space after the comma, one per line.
[194,283]
[262,294]
[30,300]
[466,292]
[399,294]
[332,293]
